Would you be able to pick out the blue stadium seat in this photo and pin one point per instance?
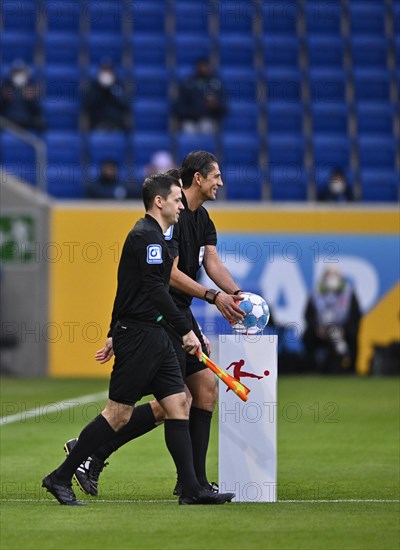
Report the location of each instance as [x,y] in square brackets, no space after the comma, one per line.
[189,48]
[331,150]
[149,50]
[240,84]
[369,51]
[283,85]
[63,16]
[281,50]
[396,17]
[20,15]
[15,151]
[288,183]
[151,115]
[280,17]
[241,148]
[63,147]
[17,45]
[65,181]
[330,118]
[61,114]
[62,47]
[376,152]
[149,16]
[375,118]
[105,46]
[367,17]
[380,185]
[237,16]
[107,146]
[397,44]
[286,149]
[325,51]
[62,82]
[192,18]
[237,50]
[323,17]
[242,116]
[285,118]
[328,85]
[147,143]
[104,17]
[242,182]
[191,142]
[371,85]
[150,84]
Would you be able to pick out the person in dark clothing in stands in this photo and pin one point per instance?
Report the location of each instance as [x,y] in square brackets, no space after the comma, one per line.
[106,102]
[201,104]
[108,185]
[337,190]
[20,98]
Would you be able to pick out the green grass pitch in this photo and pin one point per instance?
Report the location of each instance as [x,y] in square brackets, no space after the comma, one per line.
[338,476]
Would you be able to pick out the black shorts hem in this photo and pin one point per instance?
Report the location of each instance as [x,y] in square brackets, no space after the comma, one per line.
[169,391]
[124,401]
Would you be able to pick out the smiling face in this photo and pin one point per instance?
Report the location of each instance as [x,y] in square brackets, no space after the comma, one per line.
[209,185]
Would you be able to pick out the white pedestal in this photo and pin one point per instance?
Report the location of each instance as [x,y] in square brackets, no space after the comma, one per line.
[247,430]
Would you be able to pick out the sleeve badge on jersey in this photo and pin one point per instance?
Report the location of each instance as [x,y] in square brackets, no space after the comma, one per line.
[154,254]
[168,233]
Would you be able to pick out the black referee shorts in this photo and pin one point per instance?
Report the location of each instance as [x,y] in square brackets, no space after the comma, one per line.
[145,363]
[189,363]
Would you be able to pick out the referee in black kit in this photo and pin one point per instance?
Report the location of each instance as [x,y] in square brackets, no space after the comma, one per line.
[192,242]
[145,360]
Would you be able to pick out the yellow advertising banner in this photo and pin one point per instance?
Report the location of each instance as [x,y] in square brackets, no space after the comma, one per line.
[86,242]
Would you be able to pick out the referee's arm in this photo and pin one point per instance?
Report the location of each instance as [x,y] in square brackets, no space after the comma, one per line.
[225,302]
[184,283]
[217,271]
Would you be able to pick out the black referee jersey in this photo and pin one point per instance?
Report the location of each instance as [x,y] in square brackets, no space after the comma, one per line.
[189,236]
[143,279]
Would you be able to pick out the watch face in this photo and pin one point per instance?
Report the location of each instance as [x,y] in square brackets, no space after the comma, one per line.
[210,296]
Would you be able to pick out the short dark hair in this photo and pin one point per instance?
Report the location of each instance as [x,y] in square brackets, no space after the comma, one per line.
[196,161]
[174,173]
[157,184]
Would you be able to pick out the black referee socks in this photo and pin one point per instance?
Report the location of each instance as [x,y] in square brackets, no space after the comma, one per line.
[199,427]
[177,439]
[141,422]
[96,433]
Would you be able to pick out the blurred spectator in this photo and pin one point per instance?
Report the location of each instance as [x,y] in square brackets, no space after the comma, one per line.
[106,102]
[108,184]
[200,105]
[161,161]
[20,98]
[333,318]
[337,190]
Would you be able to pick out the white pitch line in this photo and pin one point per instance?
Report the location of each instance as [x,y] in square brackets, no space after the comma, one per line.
[341,500]
[109,501]
[52,407]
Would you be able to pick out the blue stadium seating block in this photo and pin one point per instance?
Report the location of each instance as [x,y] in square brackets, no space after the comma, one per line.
[107,146]
[242,182]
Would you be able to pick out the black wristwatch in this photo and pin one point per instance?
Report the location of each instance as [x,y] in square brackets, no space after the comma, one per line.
[211,295]
[237,292]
